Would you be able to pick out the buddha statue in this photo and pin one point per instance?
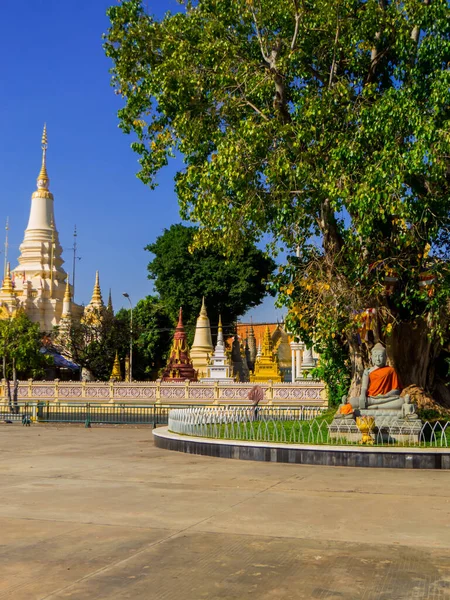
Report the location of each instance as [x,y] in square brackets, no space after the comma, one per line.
[345,411]
[380,388]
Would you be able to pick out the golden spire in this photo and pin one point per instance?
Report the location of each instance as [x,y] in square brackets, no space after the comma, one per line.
[66,311]
[220,332]
[7,287]
[110,304]
[267,343]
[67,295]
[97,299]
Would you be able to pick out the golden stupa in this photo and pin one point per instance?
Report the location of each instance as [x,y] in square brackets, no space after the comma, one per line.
[116,374]
[266,364]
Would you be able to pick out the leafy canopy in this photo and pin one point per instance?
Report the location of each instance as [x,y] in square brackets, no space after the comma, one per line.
[324,123]
[230,286]
[20,345]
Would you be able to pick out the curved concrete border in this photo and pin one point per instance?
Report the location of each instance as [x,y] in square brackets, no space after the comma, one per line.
[335,456]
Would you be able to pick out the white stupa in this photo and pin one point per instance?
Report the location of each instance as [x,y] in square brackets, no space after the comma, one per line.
[219,368]
[39,282]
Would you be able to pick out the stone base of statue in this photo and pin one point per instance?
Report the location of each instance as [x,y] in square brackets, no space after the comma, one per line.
[391,427]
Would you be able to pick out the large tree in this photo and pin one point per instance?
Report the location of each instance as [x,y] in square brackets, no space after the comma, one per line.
[92,343]
[326,124]
[152,336]
[183,275]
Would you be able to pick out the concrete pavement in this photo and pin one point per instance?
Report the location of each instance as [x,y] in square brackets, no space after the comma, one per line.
[102,514]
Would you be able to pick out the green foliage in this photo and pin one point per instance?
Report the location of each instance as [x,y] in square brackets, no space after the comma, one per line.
[230,285]
[93,343]
[20,345]
[432,415]
[152,336]
[323,124]
[333,369]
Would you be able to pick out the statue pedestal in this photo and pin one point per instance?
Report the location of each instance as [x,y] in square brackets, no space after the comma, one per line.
[390,427]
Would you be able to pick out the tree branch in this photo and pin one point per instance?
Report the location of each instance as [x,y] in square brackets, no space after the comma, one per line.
[415,33]
[297,24]
[333,64]
[256,109]
[260,40]
[375,54]
[332,240]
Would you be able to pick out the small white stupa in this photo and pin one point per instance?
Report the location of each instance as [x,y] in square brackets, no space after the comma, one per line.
[219,368]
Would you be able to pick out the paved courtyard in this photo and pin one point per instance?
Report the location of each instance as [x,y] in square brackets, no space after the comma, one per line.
[102,514]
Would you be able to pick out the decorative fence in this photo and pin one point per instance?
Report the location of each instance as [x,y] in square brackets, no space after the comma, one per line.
[113,414]
[307,392]
[302,426]
[122,414]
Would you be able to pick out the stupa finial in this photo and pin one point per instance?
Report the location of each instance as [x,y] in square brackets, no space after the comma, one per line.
[203,312]
[43,180]
[180,319]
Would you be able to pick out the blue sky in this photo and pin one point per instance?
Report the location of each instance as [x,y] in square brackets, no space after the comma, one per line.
[54,70]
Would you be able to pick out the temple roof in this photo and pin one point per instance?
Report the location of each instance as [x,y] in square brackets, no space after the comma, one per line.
[259,329]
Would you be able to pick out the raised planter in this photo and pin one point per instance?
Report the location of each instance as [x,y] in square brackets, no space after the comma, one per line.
[332,456]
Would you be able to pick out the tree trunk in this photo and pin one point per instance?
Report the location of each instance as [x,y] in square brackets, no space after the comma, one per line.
[412,353]
[358,358]
[15,389]
[8,386]
[8,389]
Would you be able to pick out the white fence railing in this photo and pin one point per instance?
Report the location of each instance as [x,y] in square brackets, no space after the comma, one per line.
[303,425]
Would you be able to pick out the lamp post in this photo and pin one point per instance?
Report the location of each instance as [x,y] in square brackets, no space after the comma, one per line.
[127,296]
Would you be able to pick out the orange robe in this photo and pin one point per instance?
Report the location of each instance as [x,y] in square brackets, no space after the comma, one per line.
[382,381]
[346,409]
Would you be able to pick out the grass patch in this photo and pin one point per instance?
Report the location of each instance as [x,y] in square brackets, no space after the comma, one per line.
[307,432]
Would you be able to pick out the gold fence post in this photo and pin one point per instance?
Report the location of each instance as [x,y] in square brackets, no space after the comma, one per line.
[30,388]
[186,389]
[270,392]
[216,392]
[158,391]
[56,394]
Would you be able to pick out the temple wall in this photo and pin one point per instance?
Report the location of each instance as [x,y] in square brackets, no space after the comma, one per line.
[306,393]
